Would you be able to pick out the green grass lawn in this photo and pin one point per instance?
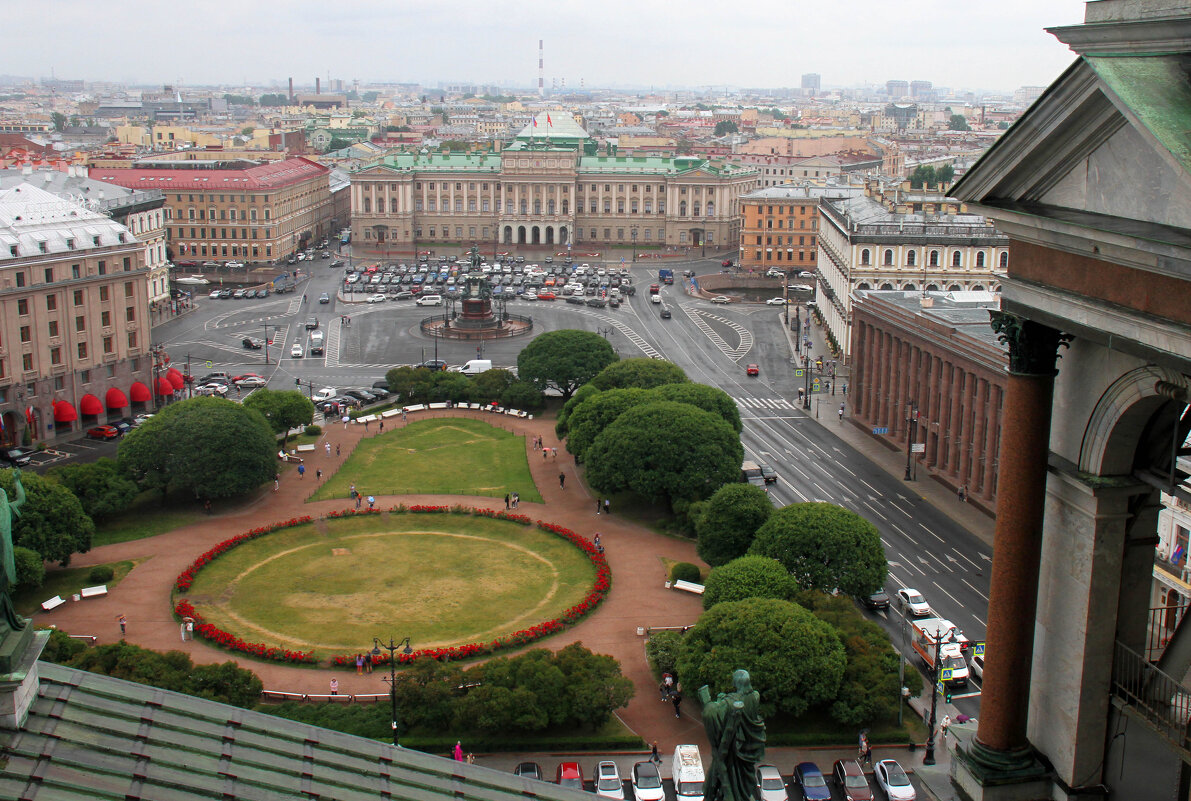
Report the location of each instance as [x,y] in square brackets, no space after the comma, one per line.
[147,517]
[445,456]
[65,582]
[443,580]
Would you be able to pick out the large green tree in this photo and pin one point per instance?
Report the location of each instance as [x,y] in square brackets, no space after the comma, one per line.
[564,360]
[825,547]
[100,487]
[796,660]
[643,373]
[958,122]
[488,385]
[749,577]
[52,521]
[730,520]
[601,410]
[665,451]
[706,397]
[726,127]
[210,446]
[282,409]
[564,415]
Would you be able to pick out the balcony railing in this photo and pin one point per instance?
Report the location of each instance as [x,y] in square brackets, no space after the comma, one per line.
[1157,697]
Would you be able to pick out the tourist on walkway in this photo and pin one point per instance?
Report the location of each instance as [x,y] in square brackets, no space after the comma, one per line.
[328,449]
[276,481]
[334,686]
[371,502]
[301,471]
[599,505]
[318,474]
[458,751]
[359,664]
[359,499]
[123,624]
[653,754]
[507,500]
[676,699]
[607,506]
[336,448]
[562,480]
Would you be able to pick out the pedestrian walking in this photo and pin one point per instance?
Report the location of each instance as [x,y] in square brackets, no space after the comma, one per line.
[507,499]
[545,454]
[599,505]
[653,753]
[367,662]
[123,625]
[318,473]
[276,481]
[607,506]
[599,545]
[359,664]
[676,699]
[382,426]
[182,630]
[301,471]
[403,415]
[334,686]
[336,448]
[516,500]
[667,686]
[189,628]
[359,499]
[371,502]
[562,480]
[346,419]
[554,453]
[458,751]
[328,449]
[865,750]
[207,506]
[365,425]
[944,726]
[841,413]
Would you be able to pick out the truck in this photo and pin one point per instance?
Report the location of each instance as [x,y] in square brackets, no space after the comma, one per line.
[666,275]
[750,472]
[687,772]
[951,649]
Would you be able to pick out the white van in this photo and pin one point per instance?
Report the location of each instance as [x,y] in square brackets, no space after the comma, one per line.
[430,300]
[476,366]
[687,772]
[316,343]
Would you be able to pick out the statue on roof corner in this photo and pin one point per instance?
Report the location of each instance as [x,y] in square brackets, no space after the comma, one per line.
[8,576]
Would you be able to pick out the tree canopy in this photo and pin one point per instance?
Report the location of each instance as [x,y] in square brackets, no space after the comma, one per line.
[706,397]
[210,446]
[564,360]
[825,547]
[274,99]
[100,487]
[564,415]
[927,175]
[749,577]
[796,660]
[958,122]
[52,521]
[729,522]
[282,409]
[599,411]
[726,127]
[664,450]
[641,372]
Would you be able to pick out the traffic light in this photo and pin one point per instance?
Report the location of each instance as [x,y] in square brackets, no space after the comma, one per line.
[947,694]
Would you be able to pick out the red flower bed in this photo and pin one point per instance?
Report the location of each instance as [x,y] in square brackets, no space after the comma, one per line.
[570,616]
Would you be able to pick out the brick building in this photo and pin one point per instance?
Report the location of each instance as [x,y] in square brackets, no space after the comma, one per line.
[780,224]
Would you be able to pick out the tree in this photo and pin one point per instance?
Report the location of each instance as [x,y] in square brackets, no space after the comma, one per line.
[590,419]
[488,385]
[958,122]
[58,119]
[210,446]
[663,451]
[30,568]
[100,487]
[825,547]
[564,415]
[923,175]
[729,522]
[239,100]
[425,694]
[708,398]
[595,686]
[748,577]
[401,381]
[247,130]
[52,521]
[944,174]
[564,360]
[794,658]
[370,97]
[523,395]
[274,100]
[282,409]
[641,372]
[726,127]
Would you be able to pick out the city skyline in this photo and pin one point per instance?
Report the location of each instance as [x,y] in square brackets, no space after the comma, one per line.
[644,46]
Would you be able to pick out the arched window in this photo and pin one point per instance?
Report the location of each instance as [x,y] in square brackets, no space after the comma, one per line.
[682,209]
[909,287]
[932,287]
[957,259]
[886,286]
[1005,260]
[911,257]
[863,286]
[865,257]
[549,206]
[367,205]
[696,207]
[710,209]
[888,258]
[934,258]
[566,205]
[955,288]
[380,208]
[980,260]
[978,288]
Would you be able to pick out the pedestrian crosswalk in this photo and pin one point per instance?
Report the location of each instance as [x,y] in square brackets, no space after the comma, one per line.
[763,403]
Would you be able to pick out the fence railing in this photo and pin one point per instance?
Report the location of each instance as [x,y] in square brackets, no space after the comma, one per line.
[1158,697]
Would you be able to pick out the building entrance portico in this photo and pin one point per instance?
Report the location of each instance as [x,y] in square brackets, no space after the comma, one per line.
[534,234]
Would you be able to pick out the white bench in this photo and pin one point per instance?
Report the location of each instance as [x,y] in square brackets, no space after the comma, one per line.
[53,603]
[415,408]
[390,413]
[370,698]
[688,586]
[94,592]
[309,448]
[439,406]
[278,695]
[368,418]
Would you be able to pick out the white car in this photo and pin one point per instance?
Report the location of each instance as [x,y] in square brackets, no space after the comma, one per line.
[776,301]
[377,298]
[770,786]
[326,393]
[214,293]
[608,782]
[655,298]
[141,419]
[721,299]
[251,382]
[912,601]
[529,296]
[211,389]
[234,265]
[647,782]
[976,667]
[894,781]
[354,278]
[296,352]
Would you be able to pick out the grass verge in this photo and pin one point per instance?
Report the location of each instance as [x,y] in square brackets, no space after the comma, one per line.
[66,582]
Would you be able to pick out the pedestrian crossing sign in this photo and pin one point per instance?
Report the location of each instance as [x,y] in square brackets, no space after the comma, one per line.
[815,385]
[798,372]
[978,649]
[944,676]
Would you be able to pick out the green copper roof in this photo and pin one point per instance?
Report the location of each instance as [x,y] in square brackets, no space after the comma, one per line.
[448,162]
[94,738]
[636,165]
[1157,90]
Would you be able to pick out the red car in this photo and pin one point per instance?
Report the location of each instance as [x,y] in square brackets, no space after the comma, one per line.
[570,775]
[546,296]
[753,369]
[103,432]
[848,776]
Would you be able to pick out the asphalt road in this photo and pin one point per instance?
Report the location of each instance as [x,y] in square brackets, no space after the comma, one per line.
[712,343]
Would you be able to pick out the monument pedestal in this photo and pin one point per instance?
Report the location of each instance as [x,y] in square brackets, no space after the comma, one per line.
[18,686]
[982,774]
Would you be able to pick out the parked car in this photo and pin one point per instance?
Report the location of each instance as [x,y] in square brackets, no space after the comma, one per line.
[976,666]
[810,780]
[377,298]
[608,782]
[103,432]
[326,393]
[770,786]
[848,776]
[721,299]
[123,425]
[239,293]
[219,376]
[911,601]
[381,384]
[15,456]
[647,782]
[892,778]
[569,774]
[776,301]
[364,395]
[211,388]
[251,382]
[252,343]
[215,293]
[596,303]
[528,770]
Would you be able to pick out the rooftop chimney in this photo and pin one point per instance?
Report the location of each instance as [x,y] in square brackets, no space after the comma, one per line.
[291,90]
[317,86]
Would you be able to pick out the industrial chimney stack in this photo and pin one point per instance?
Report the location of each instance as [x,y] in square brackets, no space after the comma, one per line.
[291,90]
[541,69]
[317,86]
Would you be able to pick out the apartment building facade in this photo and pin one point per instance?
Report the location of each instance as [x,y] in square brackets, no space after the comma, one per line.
[780,225]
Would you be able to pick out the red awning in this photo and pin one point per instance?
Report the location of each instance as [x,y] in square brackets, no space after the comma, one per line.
[90,405]
[115,399]
[175,378]
[64,412]
[164,388]
[138,392]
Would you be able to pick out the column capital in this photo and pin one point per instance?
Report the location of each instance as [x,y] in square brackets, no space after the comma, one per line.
[1033,347]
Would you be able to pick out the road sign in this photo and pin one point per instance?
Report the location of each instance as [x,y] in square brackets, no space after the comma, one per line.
[978,649]
[798,372]
[945,675]
[815,385]
[208,365]
[879,431]
[918,447]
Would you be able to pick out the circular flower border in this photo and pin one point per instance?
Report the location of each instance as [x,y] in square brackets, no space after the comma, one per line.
[223,639]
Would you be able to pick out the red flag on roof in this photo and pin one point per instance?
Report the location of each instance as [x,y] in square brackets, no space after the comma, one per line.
[535,122]
[549,121]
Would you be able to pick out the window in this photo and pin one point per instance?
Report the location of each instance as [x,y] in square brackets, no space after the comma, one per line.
[1005,260]
[956,259]
[55,356]
[130,314]
[103,268]
[934,258]
[103,293]
[80,323]
[75,271]
[49,275]
[26,333]
[27,362]
[105,319]
[888,258]
[128,290]
[865,258]
[23,306]
[21,278]
[132,339]
[910,258]
[980,260]
[53,328]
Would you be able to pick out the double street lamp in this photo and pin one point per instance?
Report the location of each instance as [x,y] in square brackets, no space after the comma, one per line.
[929,757]
[911,435]
[392,648]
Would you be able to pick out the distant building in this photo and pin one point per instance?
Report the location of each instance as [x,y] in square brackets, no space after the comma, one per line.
[811,82]
[897,89]
[921,90]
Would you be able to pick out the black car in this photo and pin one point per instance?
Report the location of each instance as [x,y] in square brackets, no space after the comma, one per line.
[381,384]
[433,364]
[312,324]
[123,425]
[878,600]
[15,457]
[252,343]
[363,395]
[597,303]
[575,300]
[768,473]
[379,392]
[665,313]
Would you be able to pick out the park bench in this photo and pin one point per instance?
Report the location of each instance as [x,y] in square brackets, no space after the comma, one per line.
[94,592]
[440,406]
[90,638]
[390,413]
[328,698]
[368,418]
[688,586]
[278,695]
[415,408]
[308,448]
[53,603]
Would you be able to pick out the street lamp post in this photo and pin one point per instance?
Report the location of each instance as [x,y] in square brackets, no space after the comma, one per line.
[806,373]
[634,232]
[392,648]
[911,432]
[929,757]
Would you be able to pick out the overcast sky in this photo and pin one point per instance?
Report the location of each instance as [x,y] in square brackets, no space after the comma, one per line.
[973,44]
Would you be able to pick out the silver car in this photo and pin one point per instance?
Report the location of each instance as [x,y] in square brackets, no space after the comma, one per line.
[770,786]
[608,782]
